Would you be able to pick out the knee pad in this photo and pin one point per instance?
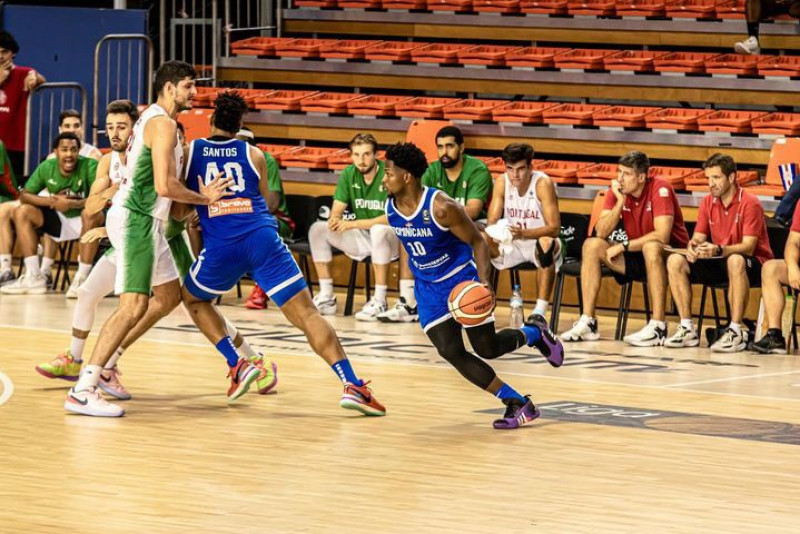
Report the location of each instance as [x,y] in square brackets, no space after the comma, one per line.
[545,258]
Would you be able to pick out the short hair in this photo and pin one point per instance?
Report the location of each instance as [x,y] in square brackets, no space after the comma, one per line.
[723,161]
[364,139]
[67,113]
[450,131]
[8,42]
[229,108]
[516,152]
[66,135]
[638,161]
[172,71]
[408,157]
[123,107]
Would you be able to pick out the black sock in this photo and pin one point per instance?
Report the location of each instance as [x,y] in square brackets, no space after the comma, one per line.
[775,332]
[752,29]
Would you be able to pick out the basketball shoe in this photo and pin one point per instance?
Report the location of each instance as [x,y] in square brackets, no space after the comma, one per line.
[242,376]
[361,399]
[110,384]
[63,366]
[89,402]
[517,414]
[549,344]
[584,329]
[401,313]
[268,374]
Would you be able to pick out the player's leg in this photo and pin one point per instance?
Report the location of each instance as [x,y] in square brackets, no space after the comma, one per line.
[680,274]
[592,260]
[753,14]
[27,219]
[7,241]
[384,251]
[86,251]
[405,309]
[319,237]
[650,266]
[49,251]
[774,276]
[547,256]
[738,292]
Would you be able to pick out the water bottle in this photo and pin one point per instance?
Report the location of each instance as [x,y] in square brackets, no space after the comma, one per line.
[517,313]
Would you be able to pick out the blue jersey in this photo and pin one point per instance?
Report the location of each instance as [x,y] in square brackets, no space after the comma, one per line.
[234,216]
[434,253]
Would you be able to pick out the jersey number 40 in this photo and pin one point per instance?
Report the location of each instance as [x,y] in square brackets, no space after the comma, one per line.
[231,169]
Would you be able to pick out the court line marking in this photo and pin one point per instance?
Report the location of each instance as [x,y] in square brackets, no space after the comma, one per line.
[8,388]
[377,360]
[731,379]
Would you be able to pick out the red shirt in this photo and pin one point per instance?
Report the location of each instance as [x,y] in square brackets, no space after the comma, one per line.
[13,106]
[729,226]
[657,200]
[795,221]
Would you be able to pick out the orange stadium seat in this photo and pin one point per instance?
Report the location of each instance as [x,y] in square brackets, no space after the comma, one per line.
[361,4]
[599,8]
[310,157]
[450,5]
[599,174]
[692,9]
[405,4]
[495,164]
[472,109]
[582,58]
[392,51]
[734,64]
[622,116]
[196,123]
[496,6]
[302,48]
[699,182]
[346,49]
[283,100]
[534,56]
[676,119]
[494,56]
[734,9]
[423,134]
[765,190]
[777,124]
[640,8]
[424,107]
[784,162]
[575,114]
[728,121]
[257,46]
[333,103]
[442,53]
[339,161]
[780,66]
[277,151]
[683,62]
[544,7]
[632,60]
[676,176]
[205,97]
[562,172]
[315,3]
[376,105]
[523,111]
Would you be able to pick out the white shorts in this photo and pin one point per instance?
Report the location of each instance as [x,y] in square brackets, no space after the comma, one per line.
[379,242]
[524,250]
[71,228]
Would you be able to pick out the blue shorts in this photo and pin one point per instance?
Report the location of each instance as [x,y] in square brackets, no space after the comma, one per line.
[263,253]
[432,297]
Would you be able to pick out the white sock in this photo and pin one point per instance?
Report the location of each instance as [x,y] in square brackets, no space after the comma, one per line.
[5,262]
[407,292]
[76,348]
[658,324]
[112,362]
[84,269]
[380,293]
[32,266]
[89,377]
[736,327]
[326,287]
[541,307]
[588,319]
[687,323]
[47,264]
[244,350]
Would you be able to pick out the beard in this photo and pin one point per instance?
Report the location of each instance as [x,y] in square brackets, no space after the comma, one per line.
[449,163]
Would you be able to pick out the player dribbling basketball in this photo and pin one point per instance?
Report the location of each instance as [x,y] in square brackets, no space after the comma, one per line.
[444,246]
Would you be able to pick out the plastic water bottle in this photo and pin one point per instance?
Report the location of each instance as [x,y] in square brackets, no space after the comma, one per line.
[517,313]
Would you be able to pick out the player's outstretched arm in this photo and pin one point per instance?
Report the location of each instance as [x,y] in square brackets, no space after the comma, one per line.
[451,215]
[101,190]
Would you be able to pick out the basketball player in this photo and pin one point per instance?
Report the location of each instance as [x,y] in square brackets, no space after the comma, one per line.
[527,202]
[241,236]
[444,246]
[136,225]
[70,120]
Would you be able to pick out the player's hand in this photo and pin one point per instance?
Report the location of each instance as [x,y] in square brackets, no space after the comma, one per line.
[706,250]
[616,188]
[516,232]
[333,223]
[95,234]
[216,188]
[61,203]
[614,251]
[488,286]
[794,277]
[194,220]
[30,80]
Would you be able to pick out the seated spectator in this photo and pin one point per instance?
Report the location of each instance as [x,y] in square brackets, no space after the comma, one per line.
[9,195]
[15,84]
[71,121]
[526,203]
[68,179]
[652,220]
[758,10]
[729,245]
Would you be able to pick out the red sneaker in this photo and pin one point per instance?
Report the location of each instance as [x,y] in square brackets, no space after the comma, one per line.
[242,376]
[360,398]
[257,299]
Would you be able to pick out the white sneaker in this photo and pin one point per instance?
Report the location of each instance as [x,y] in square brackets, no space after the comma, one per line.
[401,313]
[325,304]
[6,277]
[371,310]
[729,342]
[748,47]
[683,337]
[89,402]
[649,336]
[72,292]
[26,285]
[584,329]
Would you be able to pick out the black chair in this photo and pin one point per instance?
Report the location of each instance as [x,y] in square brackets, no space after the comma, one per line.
[65,249]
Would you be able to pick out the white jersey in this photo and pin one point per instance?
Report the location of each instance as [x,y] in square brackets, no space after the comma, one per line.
[523,210]
[116,169]
[137,190]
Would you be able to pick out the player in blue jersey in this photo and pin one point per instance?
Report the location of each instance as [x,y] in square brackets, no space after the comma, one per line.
[444,246]
[240,235]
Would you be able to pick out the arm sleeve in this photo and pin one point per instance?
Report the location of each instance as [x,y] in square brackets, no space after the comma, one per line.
[702,219]
[342,193]
[752,219]
[663,201]
[610,200]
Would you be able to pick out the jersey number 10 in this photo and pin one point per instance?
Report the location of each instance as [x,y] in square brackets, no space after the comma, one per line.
[232,169]
[416,248]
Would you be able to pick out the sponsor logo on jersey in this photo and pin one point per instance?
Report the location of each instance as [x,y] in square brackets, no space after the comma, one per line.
[663,192]
[3,98]
[426,217]
[230,206]
[413,232]
[363,203]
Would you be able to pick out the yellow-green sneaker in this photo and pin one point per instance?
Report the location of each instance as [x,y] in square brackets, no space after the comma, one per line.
[268,378]
[63,366]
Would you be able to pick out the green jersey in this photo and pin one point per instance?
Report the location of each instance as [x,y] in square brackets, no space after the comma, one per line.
[48,176]
[475,181]
[285,222]
[366,201]
[8,183]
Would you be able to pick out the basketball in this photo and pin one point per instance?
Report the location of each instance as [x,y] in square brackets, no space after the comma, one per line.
[470,303]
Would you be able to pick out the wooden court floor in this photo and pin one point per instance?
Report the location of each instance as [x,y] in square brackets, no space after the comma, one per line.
[630,440]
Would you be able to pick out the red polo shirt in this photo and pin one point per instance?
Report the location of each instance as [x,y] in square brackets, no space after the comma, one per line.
[13,105]
[728,226]
[657,200]
[795,221]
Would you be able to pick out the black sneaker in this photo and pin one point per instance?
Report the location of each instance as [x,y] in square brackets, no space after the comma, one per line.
[772,343]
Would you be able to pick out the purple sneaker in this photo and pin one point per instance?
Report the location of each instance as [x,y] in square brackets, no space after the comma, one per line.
[549,344]
[517,414]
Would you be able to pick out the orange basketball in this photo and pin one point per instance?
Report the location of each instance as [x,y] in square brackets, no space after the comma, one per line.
[470,303]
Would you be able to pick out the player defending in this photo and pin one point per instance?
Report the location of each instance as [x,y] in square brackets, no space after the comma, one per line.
[241,236]
[137,224]
[443,246]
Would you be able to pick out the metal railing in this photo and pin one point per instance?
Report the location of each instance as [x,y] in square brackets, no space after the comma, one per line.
[38,144]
